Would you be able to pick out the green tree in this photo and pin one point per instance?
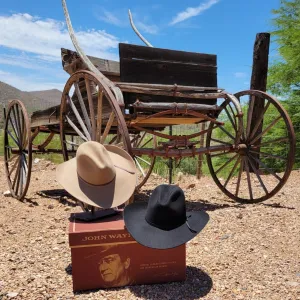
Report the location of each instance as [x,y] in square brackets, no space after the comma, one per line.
[284,72]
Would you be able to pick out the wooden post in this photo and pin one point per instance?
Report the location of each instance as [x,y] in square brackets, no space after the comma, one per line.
[259,76]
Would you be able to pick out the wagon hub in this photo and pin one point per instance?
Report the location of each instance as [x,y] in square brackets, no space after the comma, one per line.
[242,149]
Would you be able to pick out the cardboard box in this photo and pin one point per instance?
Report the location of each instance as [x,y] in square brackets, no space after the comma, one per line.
[105,255]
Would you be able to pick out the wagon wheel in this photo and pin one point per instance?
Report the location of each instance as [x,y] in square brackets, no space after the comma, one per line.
[144,164]
[90,112]
[17,149]
[261,159]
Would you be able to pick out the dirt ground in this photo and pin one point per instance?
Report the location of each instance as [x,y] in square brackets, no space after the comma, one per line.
[245,251]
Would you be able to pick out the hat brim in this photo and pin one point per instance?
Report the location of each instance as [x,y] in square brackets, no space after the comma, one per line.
[113,194]
[153,237]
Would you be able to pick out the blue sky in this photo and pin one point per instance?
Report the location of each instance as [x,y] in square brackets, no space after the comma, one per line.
[32,33]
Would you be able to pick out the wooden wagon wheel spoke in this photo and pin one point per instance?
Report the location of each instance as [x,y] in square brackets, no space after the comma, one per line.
[76,129]
[266,168]
[140,167]
[257,175]
[13,125]
[14,165]
[13,138]
[249,115]
[279,140]
[145,161]
[228,133]
[259,120]
[108,127]
[144,164]
[268,155]
[266,130]
[220,154]
[219,141]
[80,121]
[16,121]
[17,174]
[233,114]
[257,135]
[141,139]
[82,106]
[146,143]
[239,177]
[91,107]
[226,164]
[248,178]
[232,171]
[99,116]
[233,123]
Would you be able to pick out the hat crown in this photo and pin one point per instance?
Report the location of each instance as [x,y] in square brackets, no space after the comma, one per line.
[166,207]
[94,164]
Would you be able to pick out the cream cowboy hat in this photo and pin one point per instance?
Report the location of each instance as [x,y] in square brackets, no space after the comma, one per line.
[101,176]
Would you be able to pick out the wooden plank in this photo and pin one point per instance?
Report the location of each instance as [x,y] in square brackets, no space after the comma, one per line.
[142,52]
[141,71]
[154,106]
[71,63]
[166,121]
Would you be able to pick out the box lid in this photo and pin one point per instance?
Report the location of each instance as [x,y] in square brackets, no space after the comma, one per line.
[107,230]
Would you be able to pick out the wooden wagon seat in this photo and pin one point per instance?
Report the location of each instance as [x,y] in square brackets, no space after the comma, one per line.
[161,77]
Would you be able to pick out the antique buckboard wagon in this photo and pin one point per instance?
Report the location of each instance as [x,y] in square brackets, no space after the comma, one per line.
[131,103]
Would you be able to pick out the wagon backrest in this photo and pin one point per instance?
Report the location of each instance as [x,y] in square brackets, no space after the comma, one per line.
[140,64]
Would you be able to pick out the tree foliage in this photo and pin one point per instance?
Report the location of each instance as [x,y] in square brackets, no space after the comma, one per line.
[284,73]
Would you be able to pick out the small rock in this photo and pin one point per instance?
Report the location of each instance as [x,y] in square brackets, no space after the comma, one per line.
[239,216]
[12,294]
[225,236]
[293,283]
[36,160]
[7,194]
[55,249]
[191,186]
[51,206]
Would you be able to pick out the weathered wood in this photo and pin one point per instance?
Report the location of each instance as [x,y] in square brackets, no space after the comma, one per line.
[99,116]
[259,80]
[151,106]
[72,63]
[167,72]
[142,52]
[174,94]
[166,87]
[140,64]
[166,121]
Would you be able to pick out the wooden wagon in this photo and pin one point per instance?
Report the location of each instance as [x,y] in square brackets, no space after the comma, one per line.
[131,103]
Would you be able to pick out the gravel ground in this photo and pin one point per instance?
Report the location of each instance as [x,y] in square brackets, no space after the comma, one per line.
[245,252]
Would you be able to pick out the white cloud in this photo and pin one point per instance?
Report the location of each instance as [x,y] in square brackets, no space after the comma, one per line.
[45,37]
[193,11]
[110,18]
[240,75]
[152,29]
[30,83]
[24,61]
